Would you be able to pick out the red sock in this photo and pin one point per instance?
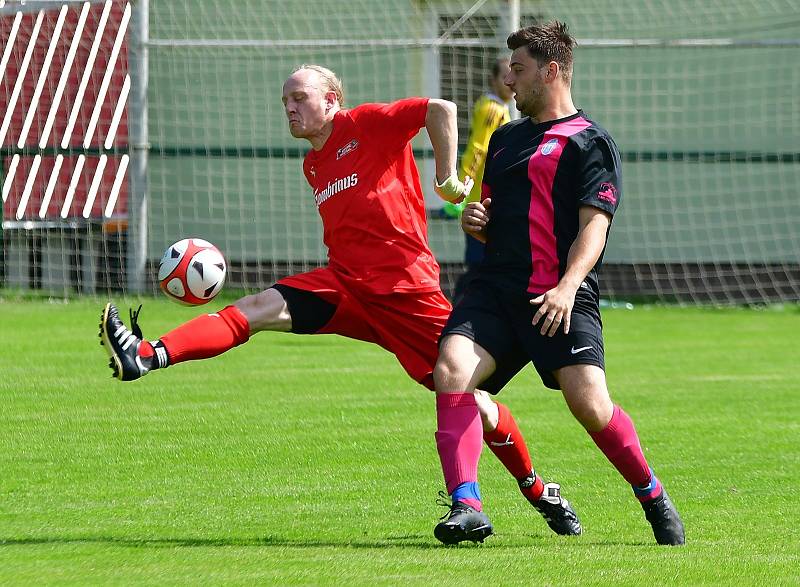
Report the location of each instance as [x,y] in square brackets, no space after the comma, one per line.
[508,445]
[620,443]
[146,349]
[458,439]
[207,336]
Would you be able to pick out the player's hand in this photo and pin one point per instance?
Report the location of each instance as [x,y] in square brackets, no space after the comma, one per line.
[555,309]
[474,219]
[453,189]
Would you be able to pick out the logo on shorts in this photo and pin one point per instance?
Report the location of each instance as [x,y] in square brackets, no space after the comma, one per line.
[549,146]
[575,351]
[348,148]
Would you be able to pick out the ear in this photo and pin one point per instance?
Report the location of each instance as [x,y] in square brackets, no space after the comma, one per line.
[553,69]
[330,101]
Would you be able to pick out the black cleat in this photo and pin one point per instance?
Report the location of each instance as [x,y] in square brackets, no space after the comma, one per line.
[665,520]
[463,523]
[122,346]
[556,510]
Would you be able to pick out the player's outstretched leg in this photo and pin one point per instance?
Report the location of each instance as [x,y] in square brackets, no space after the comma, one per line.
[461,523]
[507,443]
[202,337]
[123,345]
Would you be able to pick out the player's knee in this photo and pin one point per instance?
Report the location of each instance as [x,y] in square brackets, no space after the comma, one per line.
[441,374]
[589,416]
[446,374]
[585,391]
[266,310]
[592,410]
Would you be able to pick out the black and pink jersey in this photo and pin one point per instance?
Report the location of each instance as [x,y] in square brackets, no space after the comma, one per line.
[538,176]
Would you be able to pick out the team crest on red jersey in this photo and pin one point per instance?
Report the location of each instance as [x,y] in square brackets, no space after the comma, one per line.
[608,192]
[348,148]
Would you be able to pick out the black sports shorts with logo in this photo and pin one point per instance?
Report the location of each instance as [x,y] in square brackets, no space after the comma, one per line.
[502,324]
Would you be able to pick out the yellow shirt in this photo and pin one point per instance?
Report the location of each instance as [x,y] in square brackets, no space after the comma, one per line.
[490,112]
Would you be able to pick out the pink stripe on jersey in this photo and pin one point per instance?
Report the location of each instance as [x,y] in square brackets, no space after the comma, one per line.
[542,168]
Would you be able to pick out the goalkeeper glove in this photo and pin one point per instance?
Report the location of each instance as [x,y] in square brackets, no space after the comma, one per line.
[454,210]
[452,189]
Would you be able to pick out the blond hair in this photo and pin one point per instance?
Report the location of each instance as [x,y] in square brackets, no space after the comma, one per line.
[330,83]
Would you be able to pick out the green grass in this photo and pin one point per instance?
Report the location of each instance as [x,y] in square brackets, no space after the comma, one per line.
[311,460]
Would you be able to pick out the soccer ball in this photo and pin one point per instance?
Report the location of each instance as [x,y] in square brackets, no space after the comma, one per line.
[192,271]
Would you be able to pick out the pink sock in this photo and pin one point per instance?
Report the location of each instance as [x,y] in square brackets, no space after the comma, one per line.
[459,439]
[620,443]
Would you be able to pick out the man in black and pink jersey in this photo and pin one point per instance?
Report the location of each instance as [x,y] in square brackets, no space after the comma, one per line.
[551,186]
[381,283]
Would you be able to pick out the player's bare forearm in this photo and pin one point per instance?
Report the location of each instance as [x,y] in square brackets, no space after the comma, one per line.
[586,250]
[442,127]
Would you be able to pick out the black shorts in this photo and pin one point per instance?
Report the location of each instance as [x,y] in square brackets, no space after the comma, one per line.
[309,312]
[503,326]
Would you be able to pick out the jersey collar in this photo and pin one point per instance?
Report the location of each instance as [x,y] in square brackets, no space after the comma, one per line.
[539,127]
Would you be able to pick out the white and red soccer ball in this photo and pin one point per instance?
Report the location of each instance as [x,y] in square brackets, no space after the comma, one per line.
[192,271]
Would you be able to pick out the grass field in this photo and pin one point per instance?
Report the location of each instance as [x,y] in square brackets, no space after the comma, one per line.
[311,461]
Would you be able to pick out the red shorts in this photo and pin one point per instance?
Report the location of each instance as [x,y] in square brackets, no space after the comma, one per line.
[407,325]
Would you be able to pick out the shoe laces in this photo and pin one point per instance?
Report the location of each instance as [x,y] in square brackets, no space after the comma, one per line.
[453,507]
[657,510]
[135,329]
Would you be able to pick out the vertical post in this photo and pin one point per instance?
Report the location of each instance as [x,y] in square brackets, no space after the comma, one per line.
[4,240]
[431,86]
[137,147]
[514,16]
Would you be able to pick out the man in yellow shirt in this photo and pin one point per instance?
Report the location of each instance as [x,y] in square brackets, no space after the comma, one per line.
[491,110]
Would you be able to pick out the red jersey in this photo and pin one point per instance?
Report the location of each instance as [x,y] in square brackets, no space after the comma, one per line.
[368,193]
